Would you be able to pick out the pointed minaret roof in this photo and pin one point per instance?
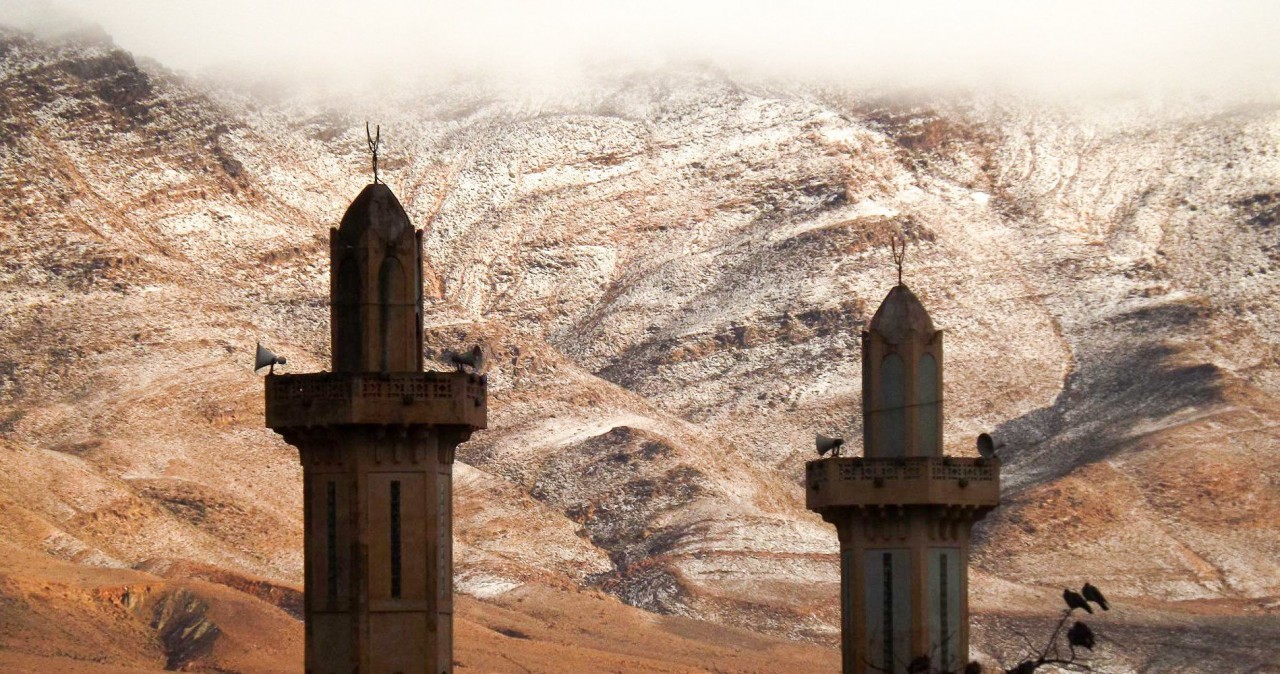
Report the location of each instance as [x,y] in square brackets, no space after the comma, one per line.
[375,212]
[899,315]
[375,286]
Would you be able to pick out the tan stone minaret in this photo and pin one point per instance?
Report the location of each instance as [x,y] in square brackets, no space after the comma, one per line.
[903,511]
[376,437]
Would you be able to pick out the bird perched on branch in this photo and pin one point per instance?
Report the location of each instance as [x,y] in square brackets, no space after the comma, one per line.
[920,665]
[1081,635]
[1074,600]
[1094,595]
[1025,667]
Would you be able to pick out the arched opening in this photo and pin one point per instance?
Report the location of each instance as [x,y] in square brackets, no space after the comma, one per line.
[391,301]
[347,336]
[928,407]
[892,401]
[417,302]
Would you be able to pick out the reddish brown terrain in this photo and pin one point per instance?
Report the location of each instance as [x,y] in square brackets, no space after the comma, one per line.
[70,618]
[670,270]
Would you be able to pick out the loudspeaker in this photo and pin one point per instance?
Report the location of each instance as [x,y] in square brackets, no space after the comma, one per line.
[987,447]
[474,359]
[825,444]
[264,357]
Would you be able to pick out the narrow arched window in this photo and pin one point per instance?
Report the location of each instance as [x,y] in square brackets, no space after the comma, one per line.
[892,401]
[347,336]
[928,407]
[331,543]
[417,303]
[391,298]
[396,565]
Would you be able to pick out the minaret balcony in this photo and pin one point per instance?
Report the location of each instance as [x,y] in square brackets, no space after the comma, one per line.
[408,398]
[855,481]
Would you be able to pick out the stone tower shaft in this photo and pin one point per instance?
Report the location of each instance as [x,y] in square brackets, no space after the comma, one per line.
[376,438]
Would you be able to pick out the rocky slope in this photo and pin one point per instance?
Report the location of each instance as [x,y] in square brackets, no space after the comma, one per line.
[671,270]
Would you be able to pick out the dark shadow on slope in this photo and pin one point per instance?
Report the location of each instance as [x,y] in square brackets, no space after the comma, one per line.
[1126,375]
[1261,210]
[638,364]
[180,620]
[787,261]
[650,585]
[617,485]
[285,598]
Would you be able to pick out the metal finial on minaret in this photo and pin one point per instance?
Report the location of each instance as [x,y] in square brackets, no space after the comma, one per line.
[375,140]
[898,244]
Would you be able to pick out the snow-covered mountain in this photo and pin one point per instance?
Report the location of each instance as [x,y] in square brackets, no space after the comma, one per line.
[671,269]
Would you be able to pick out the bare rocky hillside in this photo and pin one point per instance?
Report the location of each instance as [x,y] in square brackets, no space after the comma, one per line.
[671,270]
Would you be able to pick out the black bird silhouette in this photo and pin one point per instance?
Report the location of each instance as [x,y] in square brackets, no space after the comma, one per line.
[920,665]
[1074,600]
[1026,667]
[1094,595]
[973,668]
[1081,635]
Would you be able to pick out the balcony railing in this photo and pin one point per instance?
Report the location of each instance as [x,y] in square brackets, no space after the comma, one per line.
[859,481]
[323,398]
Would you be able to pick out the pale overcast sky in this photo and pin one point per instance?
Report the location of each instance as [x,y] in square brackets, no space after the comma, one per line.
[1186,46]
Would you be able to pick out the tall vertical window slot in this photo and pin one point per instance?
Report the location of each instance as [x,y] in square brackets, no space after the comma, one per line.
[887,621]
[892,403]
[444,551]
[944,600]
[395,539]
[847,618]
[928,407]
[390,307]
[846,592]
[945,628]
[417,301]
[331,557]
[347,333]
[887,578]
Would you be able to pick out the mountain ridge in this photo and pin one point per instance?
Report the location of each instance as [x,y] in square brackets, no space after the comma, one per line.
[670,273]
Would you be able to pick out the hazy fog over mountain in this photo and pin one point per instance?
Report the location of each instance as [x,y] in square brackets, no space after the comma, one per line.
[1089,48]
